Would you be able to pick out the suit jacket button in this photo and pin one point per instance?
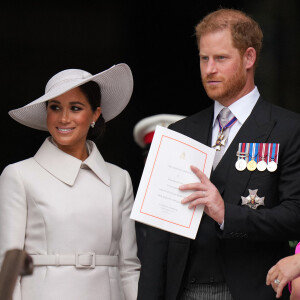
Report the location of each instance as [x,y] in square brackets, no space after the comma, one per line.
[193,280]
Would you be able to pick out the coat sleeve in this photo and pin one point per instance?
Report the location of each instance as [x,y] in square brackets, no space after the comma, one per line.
[128,261]
[13,214]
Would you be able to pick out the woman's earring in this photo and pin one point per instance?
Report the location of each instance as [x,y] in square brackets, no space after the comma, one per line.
[93,124]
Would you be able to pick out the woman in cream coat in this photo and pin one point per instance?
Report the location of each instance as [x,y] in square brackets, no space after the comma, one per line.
[66,206]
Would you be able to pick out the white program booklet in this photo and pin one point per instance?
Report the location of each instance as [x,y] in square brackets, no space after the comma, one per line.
[158,199]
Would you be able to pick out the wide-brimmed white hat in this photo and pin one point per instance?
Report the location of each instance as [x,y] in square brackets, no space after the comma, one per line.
[116,84]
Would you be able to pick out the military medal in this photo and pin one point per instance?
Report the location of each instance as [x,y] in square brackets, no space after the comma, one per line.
[251,165]
[273,157]
[252,200]
[221,140]
[262,165]
[272,166]
[240,164]
[242,154]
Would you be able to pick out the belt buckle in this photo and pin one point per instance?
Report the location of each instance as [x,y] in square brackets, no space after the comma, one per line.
[85,266]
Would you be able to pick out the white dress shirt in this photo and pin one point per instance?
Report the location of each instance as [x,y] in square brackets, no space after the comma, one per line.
[240,109]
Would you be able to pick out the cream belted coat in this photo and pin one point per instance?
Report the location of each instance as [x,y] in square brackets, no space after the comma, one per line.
[55,204]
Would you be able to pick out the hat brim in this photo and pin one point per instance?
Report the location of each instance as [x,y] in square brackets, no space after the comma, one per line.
[116,84]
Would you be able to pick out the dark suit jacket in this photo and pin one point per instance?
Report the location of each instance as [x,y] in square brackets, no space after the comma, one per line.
[252,240]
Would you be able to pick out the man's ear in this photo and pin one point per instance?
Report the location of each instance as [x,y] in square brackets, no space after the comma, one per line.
[249,57]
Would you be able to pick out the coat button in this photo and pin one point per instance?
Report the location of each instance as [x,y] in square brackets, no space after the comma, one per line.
[193,280]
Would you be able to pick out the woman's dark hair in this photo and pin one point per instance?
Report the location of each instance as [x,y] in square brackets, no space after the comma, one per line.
[93,93]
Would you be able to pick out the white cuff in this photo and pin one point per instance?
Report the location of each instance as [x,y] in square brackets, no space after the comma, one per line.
[221,225]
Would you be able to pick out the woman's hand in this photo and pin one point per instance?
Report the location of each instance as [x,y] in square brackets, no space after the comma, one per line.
[284,271]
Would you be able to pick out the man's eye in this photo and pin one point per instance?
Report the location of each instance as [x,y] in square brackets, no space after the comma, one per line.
[221,57]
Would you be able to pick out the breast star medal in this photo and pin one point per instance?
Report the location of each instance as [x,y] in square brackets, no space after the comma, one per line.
[252,200]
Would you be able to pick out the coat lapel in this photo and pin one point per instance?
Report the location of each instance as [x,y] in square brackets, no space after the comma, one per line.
[97,164]
[200,126]
[66,167]
[61,165]
[257,128]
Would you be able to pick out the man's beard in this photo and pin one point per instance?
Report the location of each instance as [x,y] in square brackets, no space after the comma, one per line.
[228,89]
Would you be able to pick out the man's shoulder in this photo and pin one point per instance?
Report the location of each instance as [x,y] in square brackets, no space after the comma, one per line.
[284,118]
[284,113]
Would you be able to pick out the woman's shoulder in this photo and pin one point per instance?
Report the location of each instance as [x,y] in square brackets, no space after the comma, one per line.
[20,165]
[18,172]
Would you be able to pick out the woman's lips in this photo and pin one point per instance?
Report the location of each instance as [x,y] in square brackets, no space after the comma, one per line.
[65,130]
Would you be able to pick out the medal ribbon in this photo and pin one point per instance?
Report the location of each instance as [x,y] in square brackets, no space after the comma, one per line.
[239,150]
[228,125]
[271,152]
[253,151]
[242,152]
[262,150]
[250,150]
[247,146]
[276,153]
[255,148]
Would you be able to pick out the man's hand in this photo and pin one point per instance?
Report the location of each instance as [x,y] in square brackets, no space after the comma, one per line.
[284,271]
[205,193]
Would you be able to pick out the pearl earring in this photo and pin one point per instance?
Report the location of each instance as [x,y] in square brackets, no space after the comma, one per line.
[93,124]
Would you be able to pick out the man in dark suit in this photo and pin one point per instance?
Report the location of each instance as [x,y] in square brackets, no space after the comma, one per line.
[252,199]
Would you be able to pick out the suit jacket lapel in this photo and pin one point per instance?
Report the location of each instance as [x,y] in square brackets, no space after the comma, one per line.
[256,128]
[200,126]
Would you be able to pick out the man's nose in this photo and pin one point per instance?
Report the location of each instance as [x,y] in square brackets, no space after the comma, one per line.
[211,67]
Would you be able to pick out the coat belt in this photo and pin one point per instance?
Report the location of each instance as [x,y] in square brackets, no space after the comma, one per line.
[81,260]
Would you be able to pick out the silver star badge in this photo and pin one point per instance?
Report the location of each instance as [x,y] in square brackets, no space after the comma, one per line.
[252,200]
